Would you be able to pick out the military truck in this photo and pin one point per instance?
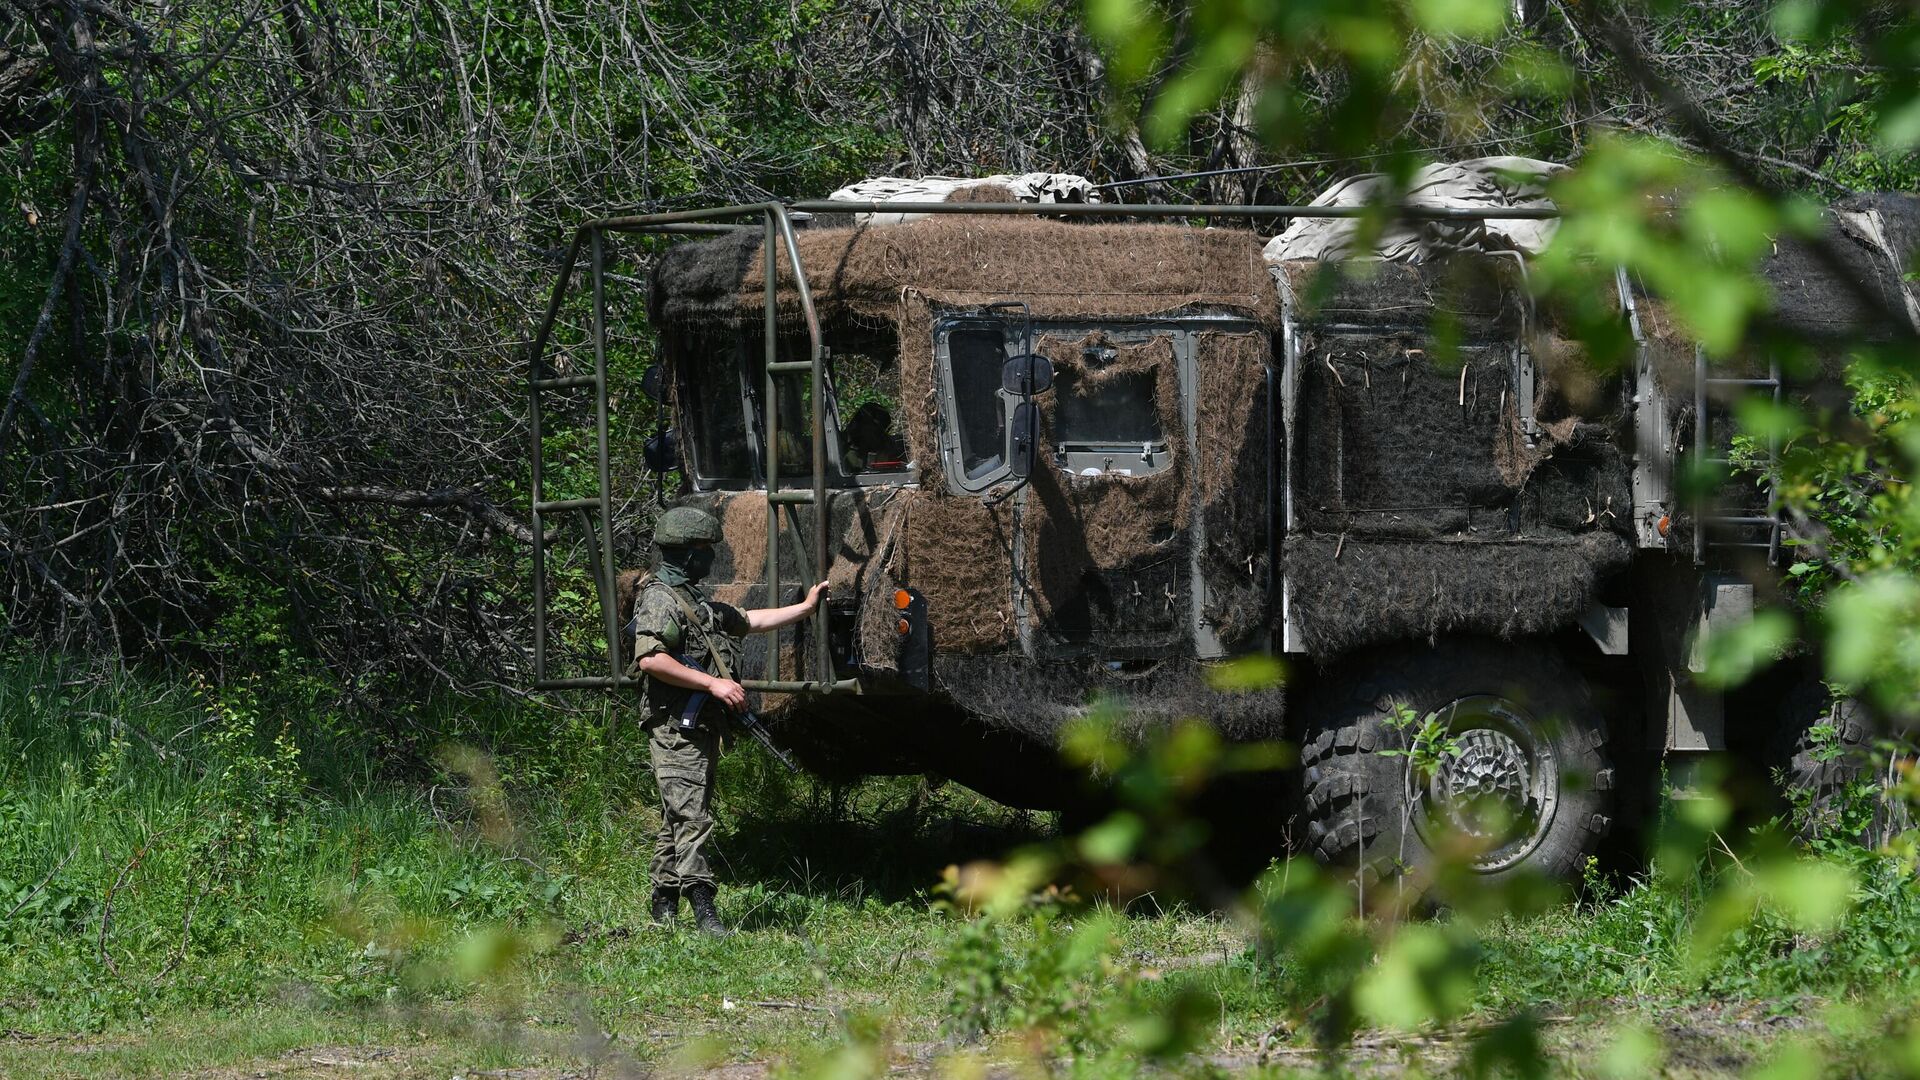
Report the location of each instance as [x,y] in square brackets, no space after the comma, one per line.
[1053,455]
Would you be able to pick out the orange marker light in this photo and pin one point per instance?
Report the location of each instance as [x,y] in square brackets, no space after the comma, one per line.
[1665,524]
[905,627]
[901,599]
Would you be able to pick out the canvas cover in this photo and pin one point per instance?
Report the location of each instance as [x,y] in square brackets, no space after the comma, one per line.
[1033,187]
[1476,184]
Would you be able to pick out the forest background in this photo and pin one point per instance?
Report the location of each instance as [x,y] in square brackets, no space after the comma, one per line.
[270,272]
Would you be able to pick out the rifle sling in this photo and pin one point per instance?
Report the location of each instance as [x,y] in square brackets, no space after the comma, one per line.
[718,658]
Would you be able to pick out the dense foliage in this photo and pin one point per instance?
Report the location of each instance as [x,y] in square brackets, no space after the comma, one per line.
[270,270]
[270,273]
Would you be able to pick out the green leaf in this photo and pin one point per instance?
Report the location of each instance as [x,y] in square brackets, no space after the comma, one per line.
[1461,18]
[1812,895]
[1734,655]
[1763,418]
[1423,977]
[1716,304]
[1734,222]
[1634,1052]
[486,954]
[1090,742]
[1796,20]
[1092,941]
[1113,840]
[1899,127]
[1797,1061]
[1865,624]
[1261,671]
[1135,35]
[1537,71]
[1197,88]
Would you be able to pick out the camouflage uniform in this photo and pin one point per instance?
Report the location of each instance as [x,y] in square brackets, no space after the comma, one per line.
[683,761]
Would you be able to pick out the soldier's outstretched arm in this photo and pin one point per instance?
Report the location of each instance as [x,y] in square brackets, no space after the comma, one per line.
[761,619]
[668,670]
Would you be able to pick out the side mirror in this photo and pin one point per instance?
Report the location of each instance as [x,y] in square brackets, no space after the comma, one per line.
[661,451]
[1022,438]
[653,382]
[1025,376]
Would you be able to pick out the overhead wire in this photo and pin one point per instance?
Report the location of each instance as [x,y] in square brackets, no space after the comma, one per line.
[1245,169]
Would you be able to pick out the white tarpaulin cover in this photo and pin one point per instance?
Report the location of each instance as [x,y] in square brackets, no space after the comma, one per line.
[1034,187]
[1477,183]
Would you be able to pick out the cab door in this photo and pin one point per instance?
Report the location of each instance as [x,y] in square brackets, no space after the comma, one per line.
[1143,530]
[1104,531]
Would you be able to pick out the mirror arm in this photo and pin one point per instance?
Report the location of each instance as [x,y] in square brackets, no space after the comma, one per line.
[1000,495]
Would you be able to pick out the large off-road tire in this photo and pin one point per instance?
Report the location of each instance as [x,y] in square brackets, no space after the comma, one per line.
[1822,748]
[1528,791]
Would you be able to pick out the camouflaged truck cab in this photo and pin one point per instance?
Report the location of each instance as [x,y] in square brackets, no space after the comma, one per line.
[1067,462]
[1140,548]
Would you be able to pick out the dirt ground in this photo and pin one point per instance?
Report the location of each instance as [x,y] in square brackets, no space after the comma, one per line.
[1697,1042]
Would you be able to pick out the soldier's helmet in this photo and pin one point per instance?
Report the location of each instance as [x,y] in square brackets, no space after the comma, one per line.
[685,525]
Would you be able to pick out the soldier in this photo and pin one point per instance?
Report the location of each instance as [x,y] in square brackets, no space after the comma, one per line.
[871,445]
[687,644]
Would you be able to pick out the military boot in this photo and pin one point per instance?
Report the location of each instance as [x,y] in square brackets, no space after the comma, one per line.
[665,905]
[705,915]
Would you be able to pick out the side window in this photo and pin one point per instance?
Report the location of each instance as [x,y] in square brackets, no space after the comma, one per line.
[710,380]
[1109,422]
[722,382]
[971,355]
[864,369]
[795,419]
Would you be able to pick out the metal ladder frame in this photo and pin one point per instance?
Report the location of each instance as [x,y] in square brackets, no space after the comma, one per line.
[776,223]
[776,230]
[1703,438]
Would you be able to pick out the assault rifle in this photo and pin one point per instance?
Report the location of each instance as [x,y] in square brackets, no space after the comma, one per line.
[746,719]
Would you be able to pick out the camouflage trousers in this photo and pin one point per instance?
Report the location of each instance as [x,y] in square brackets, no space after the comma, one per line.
[683,770]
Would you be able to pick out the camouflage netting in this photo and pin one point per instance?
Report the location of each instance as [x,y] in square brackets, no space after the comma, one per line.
[1422,507]
[1036,699]
[982,193]
[1672,348]
[1062,269]
[907,275]
[1872,234]
[1107,555]
[1473,297]
[959,553]
[1400,442]
[1234,433]
[1354,592]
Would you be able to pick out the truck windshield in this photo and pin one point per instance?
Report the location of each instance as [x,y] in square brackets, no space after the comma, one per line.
[974,358]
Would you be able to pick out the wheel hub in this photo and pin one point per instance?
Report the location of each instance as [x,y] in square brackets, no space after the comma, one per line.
[1495,784]
[1483,783]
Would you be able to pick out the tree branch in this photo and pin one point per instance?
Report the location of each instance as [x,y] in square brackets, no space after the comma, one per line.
[83,154]
[473,502]
[1701,131]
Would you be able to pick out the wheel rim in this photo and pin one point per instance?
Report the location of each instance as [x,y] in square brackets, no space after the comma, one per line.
[1497,791]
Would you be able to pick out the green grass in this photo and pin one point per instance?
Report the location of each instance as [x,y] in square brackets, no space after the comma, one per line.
[274,891]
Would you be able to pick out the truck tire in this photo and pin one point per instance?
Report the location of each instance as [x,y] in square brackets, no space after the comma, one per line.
[1821,747]
[1529,788]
